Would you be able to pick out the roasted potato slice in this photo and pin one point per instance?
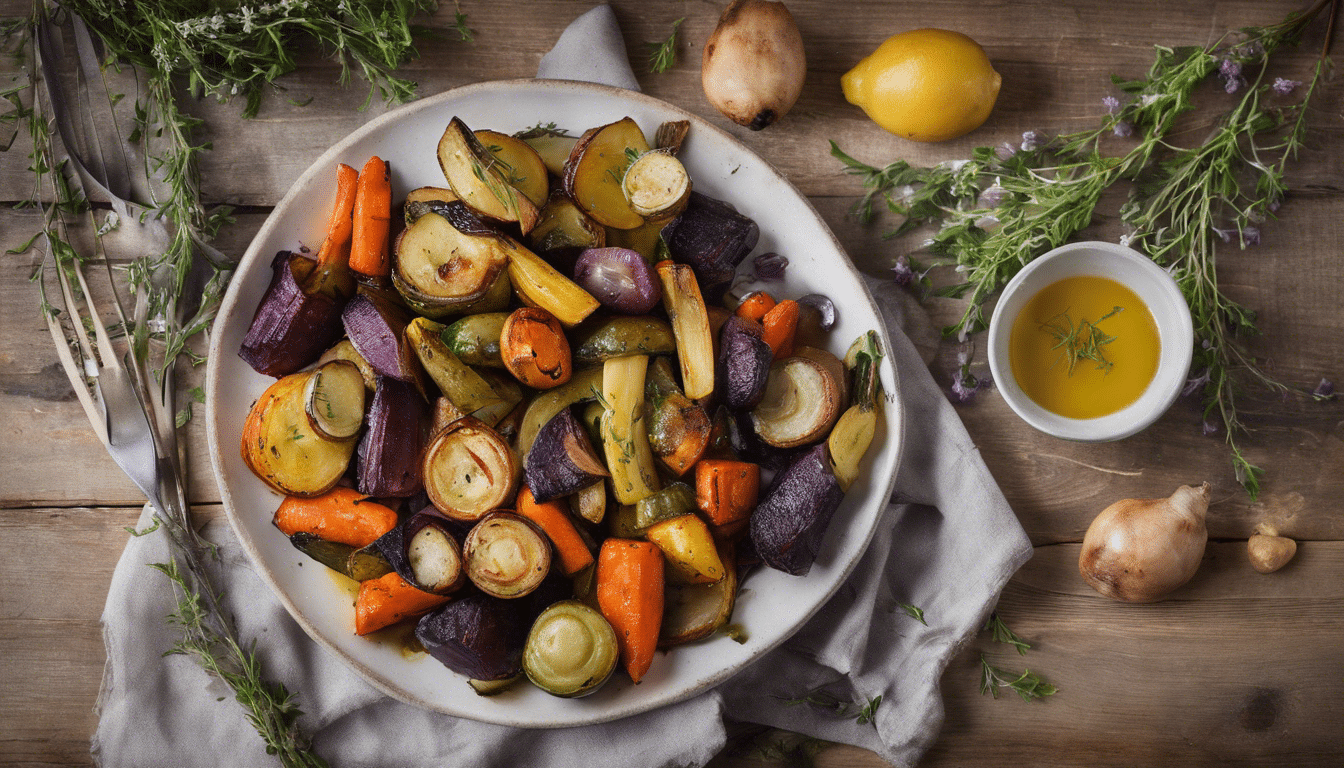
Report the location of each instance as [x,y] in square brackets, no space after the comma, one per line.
[480,179]
[521,165]
[596,169]
[281,447]
[440,270]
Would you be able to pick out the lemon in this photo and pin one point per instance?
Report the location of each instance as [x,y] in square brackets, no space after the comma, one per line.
[925,85]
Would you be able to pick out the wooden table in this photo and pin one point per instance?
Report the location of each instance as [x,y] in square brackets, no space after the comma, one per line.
[1235,668]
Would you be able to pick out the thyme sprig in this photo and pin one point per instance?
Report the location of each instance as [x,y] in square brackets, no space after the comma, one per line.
[1006,205]
[1028,685]
[663,55]
[1082,340]
[224,52]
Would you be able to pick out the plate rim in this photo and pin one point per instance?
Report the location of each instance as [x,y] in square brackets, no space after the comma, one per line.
[895,405]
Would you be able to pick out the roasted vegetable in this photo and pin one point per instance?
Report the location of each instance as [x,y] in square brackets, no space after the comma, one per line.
[694,611]
[534,348]
[712,237]
[422,200]
[803,398]
[619,278]
[344,350]
[743,365]
[389,599]
[376,326]
[341,515]
[552,146]
[621,336]
[571,650]
[449,263]
[789,524]
[332,554]
[475,338]
[469,470]
[478,636]
[674,500]
[506,555]
[519,164]
[372,219]
[585,384]
[389,453]
[433,554]
[727,492]
[753,66]
[590,503]
[281,447]
[596,168]
[562,460]
[457,380]
[511,397]
[554,521]
[644,239]
[690,324]
[291,327]
[538,284]
[853,432]
[678,427]
[657,185]
[564,230]
[630,596]
[671,135]
[687,544]
[780,324]
[480,179]
[625,438]
[334,400]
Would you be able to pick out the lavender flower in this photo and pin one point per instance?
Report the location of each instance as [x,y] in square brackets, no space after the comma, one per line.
[1195,384]
[1124,129]
[964,383]
[1230,72]
[1250,236]
[1005,151]
[1210,428]
[902,272]
[1030,141]
[1283,87]
[1112,104]
[992,197]
[1324,391]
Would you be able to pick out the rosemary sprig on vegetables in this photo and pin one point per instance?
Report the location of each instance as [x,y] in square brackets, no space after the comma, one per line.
[663,55]
[1008,204]
[1082,340]
[1028,685]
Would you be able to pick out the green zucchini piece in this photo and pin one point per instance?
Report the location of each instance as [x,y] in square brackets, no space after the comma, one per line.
[571,650]
[624,336]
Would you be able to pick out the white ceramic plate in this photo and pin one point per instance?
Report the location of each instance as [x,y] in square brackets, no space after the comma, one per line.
[772,606]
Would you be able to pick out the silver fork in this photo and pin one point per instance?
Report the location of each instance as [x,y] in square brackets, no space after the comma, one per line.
[132,414]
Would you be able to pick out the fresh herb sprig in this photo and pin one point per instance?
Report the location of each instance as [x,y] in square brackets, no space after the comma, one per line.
[1008,204]
[1000,633]
[1082,340]
[1028,685]
[225,53]
[664,54]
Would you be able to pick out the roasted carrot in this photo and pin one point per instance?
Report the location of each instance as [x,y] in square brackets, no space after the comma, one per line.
[335,246]
[372,220]
[726,491]
[384,601]
[630,596]
[755,305]
[552,518]
[341,515]
[781,325]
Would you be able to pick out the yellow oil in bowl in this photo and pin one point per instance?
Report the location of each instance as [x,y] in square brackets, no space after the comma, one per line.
[1084,347]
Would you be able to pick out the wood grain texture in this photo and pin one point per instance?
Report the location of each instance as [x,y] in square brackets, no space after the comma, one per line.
[1236,668]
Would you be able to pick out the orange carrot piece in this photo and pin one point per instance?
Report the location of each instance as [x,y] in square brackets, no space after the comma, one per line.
[727,491]
[372,220]
[755,305]
[552,518]
[630,596]
[336,245]
[384,601]
[341,515]
[781,325]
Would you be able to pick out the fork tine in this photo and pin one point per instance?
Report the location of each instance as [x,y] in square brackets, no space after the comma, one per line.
[106,352]
[78,382]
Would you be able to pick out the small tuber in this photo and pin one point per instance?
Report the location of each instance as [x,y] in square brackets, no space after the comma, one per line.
[1267,550]
[753,65]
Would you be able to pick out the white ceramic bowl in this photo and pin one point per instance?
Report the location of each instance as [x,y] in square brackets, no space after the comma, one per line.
[1140,274]
[772,605]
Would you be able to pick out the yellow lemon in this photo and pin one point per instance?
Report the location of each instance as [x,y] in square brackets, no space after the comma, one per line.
[925,85]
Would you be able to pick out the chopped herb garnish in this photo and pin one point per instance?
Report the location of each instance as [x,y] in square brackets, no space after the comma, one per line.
[663,55]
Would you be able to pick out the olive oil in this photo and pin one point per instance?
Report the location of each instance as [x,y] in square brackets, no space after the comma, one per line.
[1084,376]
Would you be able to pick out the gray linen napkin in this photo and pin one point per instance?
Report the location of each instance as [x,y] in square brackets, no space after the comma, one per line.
[948,546]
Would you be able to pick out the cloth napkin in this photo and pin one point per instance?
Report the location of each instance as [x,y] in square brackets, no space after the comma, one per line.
[948,543]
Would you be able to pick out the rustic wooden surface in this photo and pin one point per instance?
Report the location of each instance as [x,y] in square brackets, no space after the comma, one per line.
[1237,668]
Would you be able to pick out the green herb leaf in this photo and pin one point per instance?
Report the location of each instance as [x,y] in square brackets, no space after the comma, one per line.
[913,612]
[1000,633]
[1027,684]
[663,55]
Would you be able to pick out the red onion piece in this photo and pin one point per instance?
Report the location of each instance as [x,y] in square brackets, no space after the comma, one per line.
[620,279]
[770,266]
[824,306]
